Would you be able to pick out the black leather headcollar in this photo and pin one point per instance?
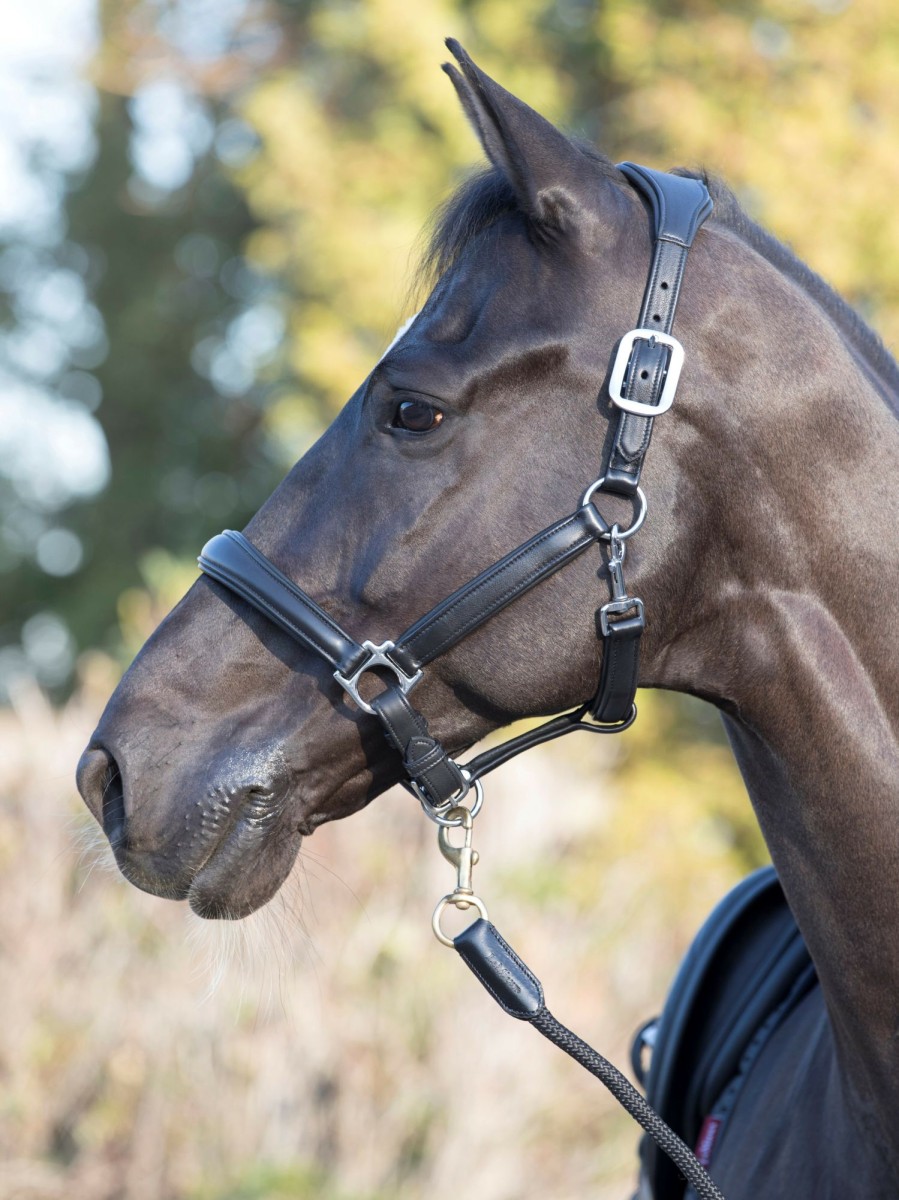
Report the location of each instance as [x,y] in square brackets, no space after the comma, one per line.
[644,377]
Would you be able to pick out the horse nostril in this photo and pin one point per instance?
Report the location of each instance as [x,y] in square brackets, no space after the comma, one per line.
[101,787]
[93,772]
[113,805]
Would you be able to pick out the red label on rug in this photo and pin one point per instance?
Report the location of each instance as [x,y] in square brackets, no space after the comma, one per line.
[707,1137]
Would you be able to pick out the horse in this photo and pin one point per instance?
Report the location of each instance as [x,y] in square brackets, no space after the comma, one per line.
[767,569]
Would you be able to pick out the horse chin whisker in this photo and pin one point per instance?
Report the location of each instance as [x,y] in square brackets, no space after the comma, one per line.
[256,954]
[92,849]
[309,858]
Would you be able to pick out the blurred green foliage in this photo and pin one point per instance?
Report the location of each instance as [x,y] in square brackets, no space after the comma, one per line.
[260,1183]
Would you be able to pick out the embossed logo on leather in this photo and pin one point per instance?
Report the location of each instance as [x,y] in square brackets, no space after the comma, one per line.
[500,968]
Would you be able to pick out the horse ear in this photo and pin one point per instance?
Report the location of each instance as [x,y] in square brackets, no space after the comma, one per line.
[550,175]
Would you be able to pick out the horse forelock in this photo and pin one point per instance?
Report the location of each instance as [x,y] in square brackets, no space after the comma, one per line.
[476,204]
[479,201]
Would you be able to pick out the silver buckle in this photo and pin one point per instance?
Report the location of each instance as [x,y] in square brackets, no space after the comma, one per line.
[619,370]
[377,657]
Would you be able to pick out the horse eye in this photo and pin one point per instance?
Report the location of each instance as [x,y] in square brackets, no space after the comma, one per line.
[417,416]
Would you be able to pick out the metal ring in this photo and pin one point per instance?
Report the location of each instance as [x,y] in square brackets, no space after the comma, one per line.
[436,814]
[623,534]
[459,900]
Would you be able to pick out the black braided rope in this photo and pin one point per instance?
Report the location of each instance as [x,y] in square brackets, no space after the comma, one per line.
[628,1097]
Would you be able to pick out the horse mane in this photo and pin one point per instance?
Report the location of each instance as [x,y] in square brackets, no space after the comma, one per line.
[858,334]
[485,196]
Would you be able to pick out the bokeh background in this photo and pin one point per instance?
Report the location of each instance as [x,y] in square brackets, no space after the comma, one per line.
[207,225]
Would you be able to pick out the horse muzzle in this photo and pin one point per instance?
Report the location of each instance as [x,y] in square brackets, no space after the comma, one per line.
[225,844]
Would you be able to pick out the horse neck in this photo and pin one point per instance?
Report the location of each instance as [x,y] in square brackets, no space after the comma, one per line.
[790,625]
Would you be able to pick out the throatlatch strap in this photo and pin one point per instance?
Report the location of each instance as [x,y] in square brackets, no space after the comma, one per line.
[518,991]
[488,760]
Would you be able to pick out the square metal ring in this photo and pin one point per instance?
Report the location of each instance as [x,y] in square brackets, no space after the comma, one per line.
[618,608]
[619,369]
[377,657]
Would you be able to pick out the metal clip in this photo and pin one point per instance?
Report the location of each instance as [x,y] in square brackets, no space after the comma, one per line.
[617,551]
[463,858]
[621,602]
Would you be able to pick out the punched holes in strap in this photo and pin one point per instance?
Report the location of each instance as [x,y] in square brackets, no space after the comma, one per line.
[646,375]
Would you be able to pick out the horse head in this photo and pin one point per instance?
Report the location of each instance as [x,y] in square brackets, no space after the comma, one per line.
[226,742]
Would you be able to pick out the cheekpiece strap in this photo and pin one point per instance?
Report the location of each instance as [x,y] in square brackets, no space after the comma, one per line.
[678,206]
[467,608]
[642,386]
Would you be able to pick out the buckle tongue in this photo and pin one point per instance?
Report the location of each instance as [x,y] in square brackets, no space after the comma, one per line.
[672,375]
[378,656]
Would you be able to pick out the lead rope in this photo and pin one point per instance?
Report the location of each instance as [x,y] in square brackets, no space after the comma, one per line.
[519,992]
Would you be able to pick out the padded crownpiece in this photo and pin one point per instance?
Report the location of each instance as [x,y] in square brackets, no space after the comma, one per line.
[679,204]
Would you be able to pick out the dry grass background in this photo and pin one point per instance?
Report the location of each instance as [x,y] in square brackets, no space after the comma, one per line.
[329,1047]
